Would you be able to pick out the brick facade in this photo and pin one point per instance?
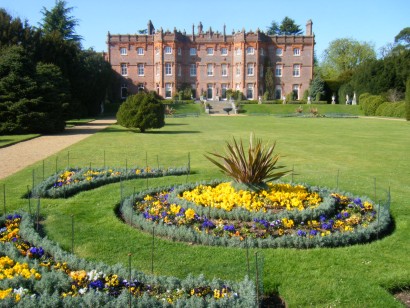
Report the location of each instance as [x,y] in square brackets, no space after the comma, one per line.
[211,62]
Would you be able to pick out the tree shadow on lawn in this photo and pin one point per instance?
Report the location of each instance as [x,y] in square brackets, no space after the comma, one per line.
[173,132]
[175,124]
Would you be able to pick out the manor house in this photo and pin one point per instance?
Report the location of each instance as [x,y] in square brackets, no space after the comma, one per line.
[211,62]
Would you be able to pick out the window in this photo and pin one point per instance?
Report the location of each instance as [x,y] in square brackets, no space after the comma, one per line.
[179,51]
[261,70]
[168,69]
[140,69]
[209,51]
[192,69]
[238,51]
[157,69]
[168,90]
[209,90]
[141,87]
[168,50]
[224,70]
[237,87]
[224,88]
[124,91]
[224,51]
[192,51]
[238,70]
[278,92]
[279,51]
[296,70]
[157,51]
[140,51]
[250,51]
[249,91]
[296,51]
[193,90]
[262,52]
[210,69]
[295,90]
[179,70]
[123,51]
[250,69]
[278,70]
[124,69]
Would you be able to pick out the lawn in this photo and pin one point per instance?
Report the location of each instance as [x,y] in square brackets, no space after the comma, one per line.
[357,155]
[6,140]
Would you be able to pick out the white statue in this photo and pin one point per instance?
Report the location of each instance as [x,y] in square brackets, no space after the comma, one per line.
[347,99]
[309,100]
[333,99]
[354,101]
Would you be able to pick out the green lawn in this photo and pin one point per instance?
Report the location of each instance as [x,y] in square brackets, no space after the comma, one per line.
[6,140]
[355,153]
[291,108]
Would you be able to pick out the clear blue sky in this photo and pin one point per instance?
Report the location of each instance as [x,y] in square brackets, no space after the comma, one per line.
[374,21]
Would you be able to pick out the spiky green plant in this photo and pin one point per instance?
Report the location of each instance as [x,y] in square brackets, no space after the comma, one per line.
[255,168]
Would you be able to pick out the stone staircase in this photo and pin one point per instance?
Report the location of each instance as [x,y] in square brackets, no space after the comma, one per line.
[217,107]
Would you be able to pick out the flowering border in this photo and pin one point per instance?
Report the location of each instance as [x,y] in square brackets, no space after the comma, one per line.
[69,182]
[297,239]
[52,271]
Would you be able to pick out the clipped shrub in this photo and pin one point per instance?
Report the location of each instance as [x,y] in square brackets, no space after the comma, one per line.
[363,99]
[142,111]
[371,104]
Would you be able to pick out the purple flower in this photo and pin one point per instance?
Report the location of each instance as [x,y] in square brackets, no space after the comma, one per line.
[229,228]
[357,201]
[98,284]
[207,224]
[313,232]
[346,214]
[322,218]
[326,226]
[36,252]
[301,233]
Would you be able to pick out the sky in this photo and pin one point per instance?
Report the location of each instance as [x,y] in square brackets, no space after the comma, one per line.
[373,21]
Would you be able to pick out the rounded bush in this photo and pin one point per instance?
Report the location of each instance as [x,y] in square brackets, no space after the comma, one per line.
[371,104]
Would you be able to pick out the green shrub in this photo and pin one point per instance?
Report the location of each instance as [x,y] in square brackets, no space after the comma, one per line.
[371,104]
[362,99]
[142,111]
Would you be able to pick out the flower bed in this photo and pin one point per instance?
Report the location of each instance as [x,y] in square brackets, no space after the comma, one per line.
[282,216]
[51,277]
[72,181]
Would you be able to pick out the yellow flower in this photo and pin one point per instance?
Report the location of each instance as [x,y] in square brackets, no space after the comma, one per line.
[5,293]
[189,214]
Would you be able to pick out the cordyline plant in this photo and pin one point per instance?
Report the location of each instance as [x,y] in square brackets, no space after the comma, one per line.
[254,169]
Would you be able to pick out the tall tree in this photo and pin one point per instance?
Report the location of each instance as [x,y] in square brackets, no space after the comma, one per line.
[344,55]
[403,37]
[273,29]
[287,27]
[58,20]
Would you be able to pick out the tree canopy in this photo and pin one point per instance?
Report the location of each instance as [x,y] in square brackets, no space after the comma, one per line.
[287,27]
[58,20]
[344,55]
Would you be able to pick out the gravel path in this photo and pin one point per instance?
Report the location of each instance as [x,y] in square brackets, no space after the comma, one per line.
[18,156]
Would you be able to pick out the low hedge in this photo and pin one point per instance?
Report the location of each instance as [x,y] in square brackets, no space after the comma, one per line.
[395,110]
[47,291]
[182,233]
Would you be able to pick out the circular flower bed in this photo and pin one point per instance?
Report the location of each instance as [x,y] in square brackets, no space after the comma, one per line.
[282,215]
